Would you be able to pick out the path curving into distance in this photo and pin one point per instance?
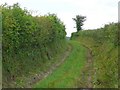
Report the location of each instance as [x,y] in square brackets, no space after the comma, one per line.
[70,73]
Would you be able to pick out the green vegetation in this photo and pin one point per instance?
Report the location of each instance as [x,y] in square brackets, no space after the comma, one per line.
[79,22]
[28,43]
[0,62]
[68,73]
[31,45]
[104,44]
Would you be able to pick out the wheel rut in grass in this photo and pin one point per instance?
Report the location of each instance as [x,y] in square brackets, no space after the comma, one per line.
[89,65]
[42,75]
[87,73]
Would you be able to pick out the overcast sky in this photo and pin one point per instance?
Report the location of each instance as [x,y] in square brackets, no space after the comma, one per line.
[98,12]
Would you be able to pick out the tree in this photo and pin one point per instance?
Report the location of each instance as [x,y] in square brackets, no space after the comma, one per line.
[79,22]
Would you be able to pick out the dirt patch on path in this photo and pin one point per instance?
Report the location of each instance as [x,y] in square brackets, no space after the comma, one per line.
[42,75]
[86,79]
[89,66]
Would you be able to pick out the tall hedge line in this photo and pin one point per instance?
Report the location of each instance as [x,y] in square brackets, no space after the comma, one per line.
[21,29]
[27,38]
[109,33]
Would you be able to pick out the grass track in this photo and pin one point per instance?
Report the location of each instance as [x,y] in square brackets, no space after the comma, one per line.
[68,73]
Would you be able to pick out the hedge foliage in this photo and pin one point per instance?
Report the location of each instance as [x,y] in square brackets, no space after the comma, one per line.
[22,30]
[28,40]
[104,44]
[109,33]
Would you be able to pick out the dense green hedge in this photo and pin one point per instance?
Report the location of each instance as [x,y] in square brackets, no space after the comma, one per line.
[109,33]
[104,43]
[28,40]
[21,29]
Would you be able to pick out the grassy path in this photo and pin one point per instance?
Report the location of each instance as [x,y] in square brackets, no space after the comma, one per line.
[67,74]
[89,65]
[42,75]
[87,75]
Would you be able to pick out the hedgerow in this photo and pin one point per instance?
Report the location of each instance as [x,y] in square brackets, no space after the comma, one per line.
[104,43]
[27,38]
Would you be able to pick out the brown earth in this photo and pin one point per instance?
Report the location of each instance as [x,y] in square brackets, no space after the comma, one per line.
[86,77]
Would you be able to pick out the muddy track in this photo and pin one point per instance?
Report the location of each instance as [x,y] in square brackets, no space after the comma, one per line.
[42,75]
[90,66]
[86,79]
